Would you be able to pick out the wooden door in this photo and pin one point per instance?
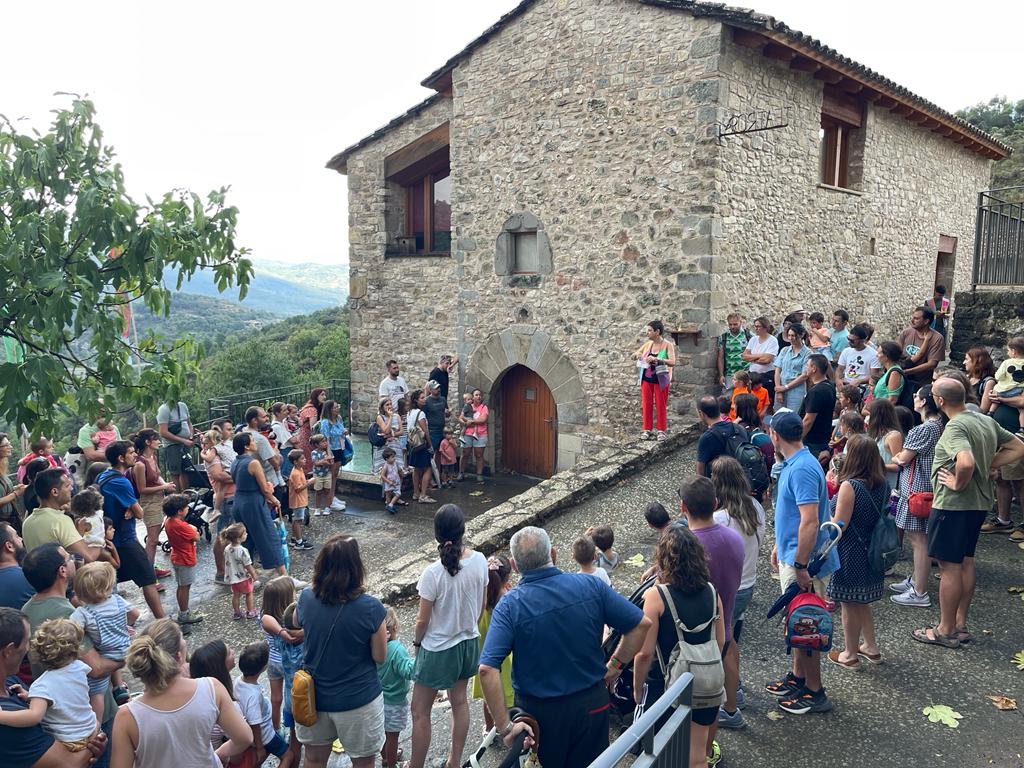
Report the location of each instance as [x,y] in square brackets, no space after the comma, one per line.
[528,426]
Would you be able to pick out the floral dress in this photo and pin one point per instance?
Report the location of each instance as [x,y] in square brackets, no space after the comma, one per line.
[916,477]
[855,582]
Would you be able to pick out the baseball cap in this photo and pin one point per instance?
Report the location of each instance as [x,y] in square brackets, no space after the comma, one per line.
[789,426]
[433,385]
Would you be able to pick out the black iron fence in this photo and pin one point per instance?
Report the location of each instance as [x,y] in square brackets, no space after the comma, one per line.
[234,406]
[664,747]
[999,238]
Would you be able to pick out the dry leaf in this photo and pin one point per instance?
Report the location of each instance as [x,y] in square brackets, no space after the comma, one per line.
[940,713]
[1018,659]
[636,560]
[1016,589]
[1003,703]
[476,493]
[986,631]
[1021,545]
[773,715]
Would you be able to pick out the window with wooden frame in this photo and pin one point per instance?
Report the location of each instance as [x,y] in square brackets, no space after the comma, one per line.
[841,140]
[420,192]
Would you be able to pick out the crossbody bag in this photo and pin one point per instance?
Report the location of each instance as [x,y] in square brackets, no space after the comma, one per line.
[303,688]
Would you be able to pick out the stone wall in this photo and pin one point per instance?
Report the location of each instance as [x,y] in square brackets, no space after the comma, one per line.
[986,318]
[584,114]
[399,307]
[596,119]
[786,238]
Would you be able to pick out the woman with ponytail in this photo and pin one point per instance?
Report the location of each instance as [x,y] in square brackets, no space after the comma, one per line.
[169,726]
[446,638]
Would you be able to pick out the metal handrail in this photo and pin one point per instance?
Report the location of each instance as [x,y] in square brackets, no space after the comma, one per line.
[663,747]
[998,240]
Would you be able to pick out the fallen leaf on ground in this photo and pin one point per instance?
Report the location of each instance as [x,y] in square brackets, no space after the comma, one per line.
[1018,659]
[476,493]
[1021,545]
[1003,703]
[773,715]
[940,713]
[1016,589]
[636,560]
[986,631]
[486,501]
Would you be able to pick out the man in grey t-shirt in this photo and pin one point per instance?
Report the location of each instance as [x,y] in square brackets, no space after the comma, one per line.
[175,427]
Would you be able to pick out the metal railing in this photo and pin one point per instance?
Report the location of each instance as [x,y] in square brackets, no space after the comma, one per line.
[664,747]
[234,406]
[999,238]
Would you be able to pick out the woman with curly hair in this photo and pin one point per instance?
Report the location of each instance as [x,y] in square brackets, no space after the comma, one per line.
[451,593]
[684,580]
[169,725]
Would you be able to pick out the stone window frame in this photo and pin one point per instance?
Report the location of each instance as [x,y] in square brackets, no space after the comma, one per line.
[505,249]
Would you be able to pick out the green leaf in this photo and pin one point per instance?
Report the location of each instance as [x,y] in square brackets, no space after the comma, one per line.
[940,713]
[1018,659]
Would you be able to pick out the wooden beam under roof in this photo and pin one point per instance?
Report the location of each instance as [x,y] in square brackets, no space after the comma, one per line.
[902,110]
[803,64]
[885,102]
[851,86]
[828,75]
[918,117]
[778,52]
[748,39]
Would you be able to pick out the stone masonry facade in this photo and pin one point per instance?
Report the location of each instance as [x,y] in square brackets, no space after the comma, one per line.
[597,119]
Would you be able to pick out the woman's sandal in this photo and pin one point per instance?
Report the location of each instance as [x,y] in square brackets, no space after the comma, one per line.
[402,503]
[853,666]
[963,635]
[946,641]
[872,658]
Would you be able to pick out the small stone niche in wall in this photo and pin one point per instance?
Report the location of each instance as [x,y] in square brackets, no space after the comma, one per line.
[522,253]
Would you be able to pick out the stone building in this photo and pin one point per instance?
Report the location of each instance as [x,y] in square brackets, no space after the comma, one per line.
[588,165]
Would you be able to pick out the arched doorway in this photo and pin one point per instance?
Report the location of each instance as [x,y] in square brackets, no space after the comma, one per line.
[529,428]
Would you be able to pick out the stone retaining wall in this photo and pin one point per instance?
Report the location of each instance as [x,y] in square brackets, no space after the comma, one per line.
[986,318]
[493,529]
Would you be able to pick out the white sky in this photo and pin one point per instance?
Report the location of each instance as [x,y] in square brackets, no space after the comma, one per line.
[204,94]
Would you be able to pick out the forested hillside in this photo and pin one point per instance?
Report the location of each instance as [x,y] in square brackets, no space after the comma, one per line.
[1003,119]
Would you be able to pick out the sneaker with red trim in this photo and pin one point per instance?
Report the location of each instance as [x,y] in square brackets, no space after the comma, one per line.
[161,572]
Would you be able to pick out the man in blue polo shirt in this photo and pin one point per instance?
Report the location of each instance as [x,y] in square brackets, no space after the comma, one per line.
[553,624]
[800,509]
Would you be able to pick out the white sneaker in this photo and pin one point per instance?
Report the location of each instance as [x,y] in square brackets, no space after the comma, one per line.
[338,505]
[899,587]
[913,599]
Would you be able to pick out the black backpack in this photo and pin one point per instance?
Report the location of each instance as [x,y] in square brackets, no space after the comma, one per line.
[377,440]
[750,457]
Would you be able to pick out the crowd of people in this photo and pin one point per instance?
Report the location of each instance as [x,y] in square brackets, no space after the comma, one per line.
[821,425]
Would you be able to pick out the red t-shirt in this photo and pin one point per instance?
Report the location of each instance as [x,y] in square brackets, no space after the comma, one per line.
[182,537]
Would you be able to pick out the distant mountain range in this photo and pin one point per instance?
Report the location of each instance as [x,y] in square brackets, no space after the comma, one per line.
[280,288]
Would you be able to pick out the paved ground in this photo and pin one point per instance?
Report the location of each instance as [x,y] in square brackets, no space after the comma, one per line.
[877,721]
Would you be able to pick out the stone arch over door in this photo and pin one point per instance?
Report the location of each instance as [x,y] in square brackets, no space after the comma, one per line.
[529,346]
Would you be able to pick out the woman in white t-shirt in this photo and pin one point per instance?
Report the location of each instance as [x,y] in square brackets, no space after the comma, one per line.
[447,651]
[741,512]
[760,353]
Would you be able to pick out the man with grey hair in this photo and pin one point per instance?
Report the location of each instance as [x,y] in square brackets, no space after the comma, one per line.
[553,624]
[971,446]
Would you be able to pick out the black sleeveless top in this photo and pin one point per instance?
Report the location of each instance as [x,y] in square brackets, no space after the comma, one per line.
[694,608]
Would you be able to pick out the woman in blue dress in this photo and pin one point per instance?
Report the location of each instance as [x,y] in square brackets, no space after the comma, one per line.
[254,500]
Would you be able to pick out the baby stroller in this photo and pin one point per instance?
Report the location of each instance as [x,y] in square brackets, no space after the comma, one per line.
[622,694]
[519,756]
[200,508]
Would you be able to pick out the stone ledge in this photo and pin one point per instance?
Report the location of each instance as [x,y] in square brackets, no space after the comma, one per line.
[545,501]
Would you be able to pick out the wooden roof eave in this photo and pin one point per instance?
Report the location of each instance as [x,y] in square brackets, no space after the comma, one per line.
[878,91]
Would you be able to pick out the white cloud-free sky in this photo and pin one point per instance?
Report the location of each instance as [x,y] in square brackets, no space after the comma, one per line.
[259,95]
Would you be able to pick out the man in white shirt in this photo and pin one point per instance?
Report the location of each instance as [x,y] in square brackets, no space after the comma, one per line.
[857,361]
[175,427]
[393,386]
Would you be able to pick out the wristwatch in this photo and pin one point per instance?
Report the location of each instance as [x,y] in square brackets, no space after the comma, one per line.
[506,730]
[800,566]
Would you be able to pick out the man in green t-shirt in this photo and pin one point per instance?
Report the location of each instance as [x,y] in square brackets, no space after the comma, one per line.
[49,569]
[971,446]
[730,351]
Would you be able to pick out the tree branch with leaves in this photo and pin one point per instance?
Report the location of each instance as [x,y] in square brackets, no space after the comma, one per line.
[76,252]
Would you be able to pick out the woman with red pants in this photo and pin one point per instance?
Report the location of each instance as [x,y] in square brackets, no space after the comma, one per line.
[655,360]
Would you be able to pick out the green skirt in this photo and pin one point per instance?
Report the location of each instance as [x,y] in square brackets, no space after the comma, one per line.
[441,669]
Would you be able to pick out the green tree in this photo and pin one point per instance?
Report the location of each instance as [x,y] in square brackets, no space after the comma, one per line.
[75,251]
[1003,119]
[247,366]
